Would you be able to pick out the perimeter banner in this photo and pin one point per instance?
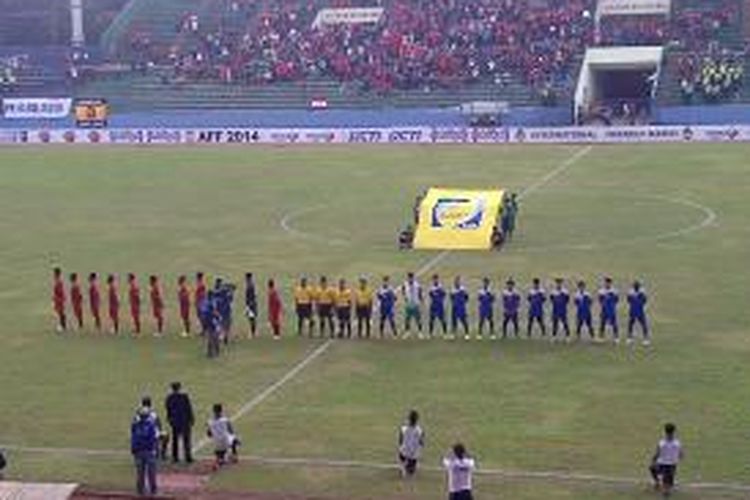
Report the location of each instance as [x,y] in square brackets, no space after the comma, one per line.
[457,219]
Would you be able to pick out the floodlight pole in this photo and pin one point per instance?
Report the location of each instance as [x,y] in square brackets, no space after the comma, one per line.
[77,38]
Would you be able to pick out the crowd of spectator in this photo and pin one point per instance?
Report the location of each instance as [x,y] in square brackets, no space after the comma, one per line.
[417,44]
[687,27]
[425,44]
[713,78]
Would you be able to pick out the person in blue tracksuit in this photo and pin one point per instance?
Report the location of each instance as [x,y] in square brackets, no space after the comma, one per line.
[583,302]
[437,295]
[637,300]
[608,299]
[511,305]
[536,299]
[387,304]
[560,298]
[459,313]
[486,302]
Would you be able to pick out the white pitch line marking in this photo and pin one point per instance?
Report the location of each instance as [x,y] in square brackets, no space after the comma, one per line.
[286,225]
[271,389]
[357,464]
[709,218]
[562,167]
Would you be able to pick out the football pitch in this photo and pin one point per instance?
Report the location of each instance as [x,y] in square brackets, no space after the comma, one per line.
[545,421]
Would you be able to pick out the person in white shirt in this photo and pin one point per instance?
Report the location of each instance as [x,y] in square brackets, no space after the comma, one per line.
[668,454]
[410,444]
[412,292]
[460,468]
[221,431]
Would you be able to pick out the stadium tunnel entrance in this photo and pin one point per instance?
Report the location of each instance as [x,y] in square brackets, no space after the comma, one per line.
[617,85]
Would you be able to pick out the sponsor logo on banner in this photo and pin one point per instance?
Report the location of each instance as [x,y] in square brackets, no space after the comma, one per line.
[94,137]
[163,136]
[450,135]
[323,136]
[720,134]
[9,136]
[228,136]
[283,136]
[126,136]
[69,136]
[37,107]
[365,136]
[489,134]
[459,213]
[645,134]
[405,135]
[350,15]
[556,135]
[632,7]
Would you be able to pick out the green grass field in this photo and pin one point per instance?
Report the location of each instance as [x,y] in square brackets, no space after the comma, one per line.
[674,216]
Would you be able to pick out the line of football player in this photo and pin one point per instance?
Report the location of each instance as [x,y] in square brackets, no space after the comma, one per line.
[340,310]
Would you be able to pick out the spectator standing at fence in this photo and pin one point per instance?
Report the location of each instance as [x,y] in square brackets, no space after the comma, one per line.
[181,419]
[143,446]
[460,468]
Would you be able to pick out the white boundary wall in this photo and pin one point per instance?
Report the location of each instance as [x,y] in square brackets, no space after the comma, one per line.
[393,135]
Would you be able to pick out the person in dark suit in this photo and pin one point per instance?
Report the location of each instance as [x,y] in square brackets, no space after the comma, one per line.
[181,419]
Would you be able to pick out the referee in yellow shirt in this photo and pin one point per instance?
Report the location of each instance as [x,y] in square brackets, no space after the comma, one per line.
[303,301]
[344,309]
[363,303]
[325,296]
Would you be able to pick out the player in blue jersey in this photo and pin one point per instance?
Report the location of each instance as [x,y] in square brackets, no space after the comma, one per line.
[583,301]
[559,297]
[486,301]
[459,314]
[637,300]
[387,305]
[511,305]
[608,299]
[536,299]
[437,296]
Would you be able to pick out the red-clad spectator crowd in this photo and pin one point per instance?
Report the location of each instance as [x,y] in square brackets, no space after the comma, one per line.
[417,44]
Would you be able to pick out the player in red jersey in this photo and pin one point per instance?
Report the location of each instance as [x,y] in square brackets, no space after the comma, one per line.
[183,298]
[200,296]
[58,299]
[95,300]
[157,304]
[113,298]
[134,297]
[275,309]
[76,299]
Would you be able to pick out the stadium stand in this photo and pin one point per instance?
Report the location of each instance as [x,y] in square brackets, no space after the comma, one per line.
[242,54]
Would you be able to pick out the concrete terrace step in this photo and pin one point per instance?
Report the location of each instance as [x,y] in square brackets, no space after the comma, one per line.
[10,490]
